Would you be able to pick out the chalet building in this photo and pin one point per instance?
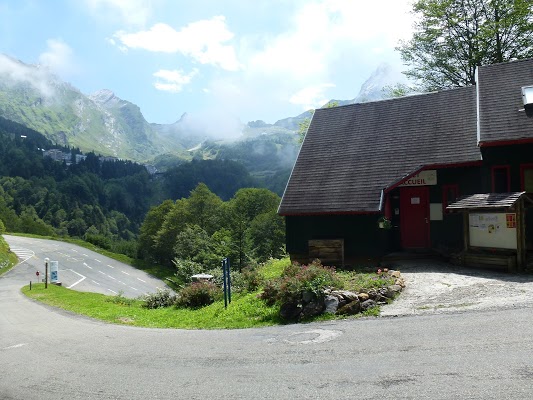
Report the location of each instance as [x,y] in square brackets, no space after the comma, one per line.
[447,171]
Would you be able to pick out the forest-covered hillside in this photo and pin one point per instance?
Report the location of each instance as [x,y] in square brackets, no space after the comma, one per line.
[101,201]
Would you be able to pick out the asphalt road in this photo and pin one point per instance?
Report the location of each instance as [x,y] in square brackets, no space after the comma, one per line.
[79,268]
[50,354]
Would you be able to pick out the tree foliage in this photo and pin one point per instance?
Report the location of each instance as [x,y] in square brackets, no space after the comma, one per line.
[454,37]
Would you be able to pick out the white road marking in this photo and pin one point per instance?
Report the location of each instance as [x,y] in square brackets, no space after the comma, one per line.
[15,346]
[124,272]
[103,273]
[109,276]
[95,282]
[85,255]
[141,280]
[75,283]
[112,291]
[322,336]
[110,266]
[74,250]
[134,288]
[87,266]
[121,282]
[97,260]
[22,253]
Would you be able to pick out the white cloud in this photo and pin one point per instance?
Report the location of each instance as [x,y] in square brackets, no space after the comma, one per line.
[58,57]
[311,97]
[204,41]
[173,80]
[131,12]
[15,72]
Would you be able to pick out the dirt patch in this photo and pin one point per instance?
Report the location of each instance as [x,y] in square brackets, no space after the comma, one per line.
[437,287]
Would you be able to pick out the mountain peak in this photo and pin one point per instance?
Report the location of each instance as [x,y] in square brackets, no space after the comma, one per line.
[104,97]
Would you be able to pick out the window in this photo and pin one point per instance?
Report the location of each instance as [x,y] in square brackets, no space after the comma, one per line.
[501,179]
[526,175]
[450,193]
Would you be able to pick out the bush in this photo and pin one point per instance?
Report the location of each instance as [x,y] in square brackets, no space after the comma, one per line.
[198,294]
[246,281]
[160,299]
[297,280]
[120,299]
[185,269]
[2,227]
[99,240]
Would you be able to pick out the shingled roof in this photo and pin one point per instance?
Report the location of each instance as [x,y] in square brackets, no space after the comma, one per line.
[352,152]
[486,201]
[500,99]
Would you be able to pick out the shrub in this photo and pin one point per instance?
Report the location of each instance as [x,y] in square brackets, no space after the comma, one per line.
[185,269]
[160,299]
[198,294]
[120,299]
[2,227]
[246,281]
[297,280]
[99,240]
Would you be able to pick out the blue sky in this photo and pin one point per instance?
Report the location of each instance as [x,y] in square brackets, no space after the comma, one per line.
[251,59]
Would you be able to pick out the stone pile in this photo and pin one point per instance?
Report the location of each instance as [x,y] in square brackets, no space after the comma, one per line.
[342,302]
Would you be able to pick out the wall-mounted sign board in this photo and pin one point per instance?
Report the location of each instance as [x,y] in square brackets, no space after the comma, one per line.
[494,230]
[424,178]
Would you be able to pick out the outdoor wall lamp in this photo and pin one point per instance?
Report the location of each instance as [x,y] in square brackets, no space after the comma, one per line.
[527,97]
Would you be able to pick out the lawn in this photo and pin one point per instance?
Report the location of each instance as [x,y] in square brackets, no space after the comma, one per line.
[245,311]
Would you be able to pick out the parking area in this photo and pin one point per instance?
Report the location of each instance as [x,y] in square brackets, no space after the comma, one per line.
[438,287]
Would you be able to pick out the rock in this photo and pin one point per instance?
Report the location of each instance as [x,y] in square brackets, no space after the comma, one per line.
[400,282]
[365,305]
[312,309]
[308,296]
[346,295]
[395,274]
[363,296]
[331,303]
[393,290]
[351,308]
[290,311]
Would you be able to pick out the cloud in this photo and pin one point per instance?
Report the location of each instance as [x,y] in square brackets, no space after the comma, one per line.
[173,80]
[311,97]
[323,41]
[130,12]
[203,41]
[14,72]
[58,57]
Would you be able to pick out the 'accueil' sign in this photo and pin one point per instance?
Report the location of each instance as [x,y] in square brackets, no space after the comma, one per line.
[424,178]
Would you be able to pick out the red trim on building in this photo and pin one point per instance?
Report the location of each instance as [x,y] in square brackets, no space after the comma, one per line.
[435,166]
[522,177]
[505,167]
[310,214]
[505,142]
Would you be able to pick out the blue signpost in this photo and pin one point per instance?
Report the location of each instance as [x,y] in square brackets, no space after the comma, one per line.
[227,281]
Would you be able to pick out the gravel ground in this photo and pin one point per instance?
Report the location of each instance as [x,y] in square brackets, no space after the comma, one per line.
[434,287]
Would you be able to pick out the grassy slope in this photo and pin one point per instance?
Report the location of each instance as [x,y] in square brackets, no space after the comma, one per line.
[7,259]
[245,310]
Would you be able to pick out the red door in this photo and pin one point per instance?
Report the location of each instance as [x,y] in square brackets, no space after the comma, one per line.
[414,217]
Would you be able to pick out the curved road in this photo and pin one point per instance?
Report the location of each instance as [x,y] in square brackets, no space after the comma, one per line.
[50,354]
[79,268]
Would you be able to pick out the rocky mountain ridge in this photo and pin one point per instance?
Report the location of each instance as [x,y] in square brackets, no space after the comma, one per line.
[106,124]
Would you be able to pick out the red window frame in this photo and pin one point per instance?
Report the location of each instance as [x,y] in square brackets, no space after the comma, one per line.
[445,190]
[522,176]
[505,167]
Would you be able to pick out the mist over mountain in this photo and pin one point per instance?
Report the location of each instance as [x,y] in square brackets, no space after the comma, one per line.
[106,124]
